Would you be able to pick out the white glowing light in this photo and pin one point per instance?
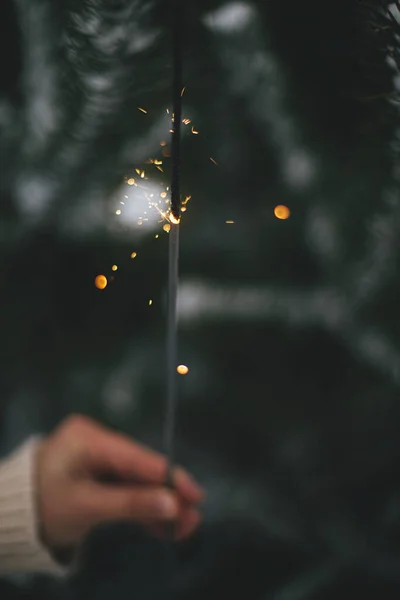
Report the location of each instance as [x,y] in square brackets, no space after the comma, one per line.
[233,16]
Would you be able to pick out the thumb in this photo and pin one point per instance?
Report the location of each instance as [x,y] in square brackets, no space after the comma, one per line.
[140,504]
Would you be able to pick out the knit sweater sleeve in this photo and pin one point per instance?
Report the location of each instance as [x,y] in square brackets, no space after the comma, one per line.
[20,546]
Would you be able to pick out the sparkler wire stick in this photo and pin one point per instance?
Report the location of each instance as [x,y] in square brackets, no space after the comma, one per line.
[177,111]
[173,262]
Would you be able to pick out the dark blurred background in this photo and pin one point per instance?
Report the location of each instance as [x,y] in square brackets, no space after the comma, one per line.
[289,414]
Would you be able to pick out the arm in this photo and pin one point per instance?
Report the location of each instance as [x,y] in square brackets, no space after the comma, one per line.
[20,547]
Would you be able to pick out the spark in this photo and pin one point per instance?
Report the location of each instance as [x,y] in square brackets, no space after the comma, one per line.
[182,370]
[186,200]
[186,121]
[118,212]
[156,236]
[123,203]
[183,209]
[130,181]
[160,169]
[101,282]
[142,174]
[167,109]
[194,131]
[163,215]
[163,194]
[183,91]
[150,302]
[213,160]
[134,255]
[163,143]
[167,227]
[142,110]
[114,268]
[282,212]
[229,222]
[137,171]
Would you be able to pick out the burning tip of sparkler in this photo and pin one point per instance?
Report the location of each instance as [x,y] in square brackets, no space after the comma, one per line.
[281,212]
[173,219]
[101,282]
[182,370]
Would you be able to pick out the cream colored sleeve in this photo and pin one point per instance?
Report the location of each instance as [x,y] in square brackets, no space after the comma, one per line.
[20,548]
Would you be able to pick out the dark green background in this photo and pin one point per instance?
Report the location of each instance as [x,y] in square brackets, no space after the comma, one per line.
[289,414]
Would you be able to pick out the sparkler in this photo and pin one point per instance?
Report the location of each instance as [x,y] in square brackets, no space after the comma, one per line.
[173,262]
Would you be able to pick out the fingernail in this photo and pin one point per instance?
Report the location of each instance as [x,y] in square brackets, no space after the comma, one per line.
[167,506]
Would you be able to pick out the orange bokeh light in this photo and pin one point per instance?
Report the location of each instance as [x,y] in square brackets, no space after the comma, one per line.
[101,282]
[182,370]
[281,212]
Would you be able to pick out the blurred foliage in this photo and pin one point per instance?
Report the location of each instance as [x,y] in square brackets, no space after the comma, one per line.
[289,412]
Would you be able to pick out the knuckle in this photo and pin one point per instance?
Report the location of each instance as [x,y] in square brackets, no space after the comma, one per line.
[75,421]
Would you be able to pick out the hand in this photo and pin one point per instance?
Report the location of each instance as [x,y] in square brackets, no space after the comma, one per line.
[73,464]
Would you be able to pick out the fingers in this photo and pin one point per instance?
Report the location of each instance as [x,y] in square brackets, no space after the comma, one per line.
[111,452]
[187,487]
[150,507]
[186,525]
[139,504]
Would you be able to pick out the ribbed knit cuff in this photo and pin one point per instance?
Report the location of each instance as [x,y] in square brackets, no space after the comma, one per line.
[20,548]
